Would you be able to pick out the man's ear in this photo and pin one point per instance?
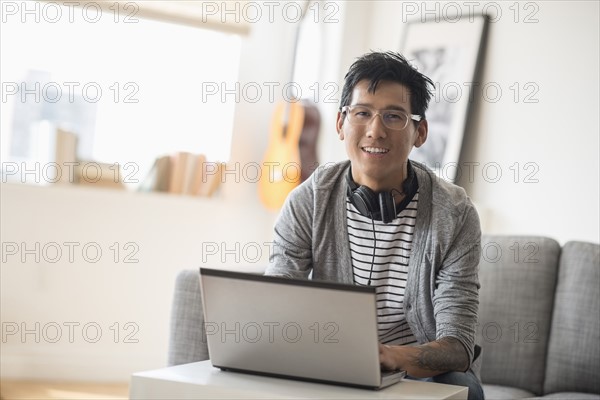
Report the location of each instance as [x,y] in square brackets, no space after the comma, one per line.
[338,125]
[422,129]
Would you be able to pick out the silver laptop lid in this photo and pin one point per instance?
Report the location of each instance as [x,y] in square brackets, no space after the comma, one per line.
[295,328]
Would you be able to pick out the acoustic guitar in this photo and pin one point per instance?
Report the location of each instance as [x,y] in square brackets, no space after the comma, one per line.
[291,154]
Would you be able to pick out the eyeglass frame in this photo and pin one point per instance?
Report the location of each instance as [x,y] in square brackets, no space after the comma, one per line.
[413,117]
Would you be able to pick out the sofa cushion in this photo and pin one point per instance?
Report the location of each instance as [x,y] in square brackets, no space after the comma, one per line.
[572,396]
[574,349]
[518,279]
[495,392]
[187,342]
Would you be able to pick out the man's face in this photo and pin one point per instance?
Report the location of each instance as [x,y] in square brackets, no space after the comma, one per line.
[378,154]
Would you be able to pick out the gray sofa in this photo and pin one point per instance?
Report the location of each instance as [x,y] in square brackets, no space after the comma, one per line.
[539,319]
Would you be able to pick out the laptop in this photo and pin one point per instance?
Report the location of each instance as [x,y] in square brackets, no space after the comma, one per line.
[301,329]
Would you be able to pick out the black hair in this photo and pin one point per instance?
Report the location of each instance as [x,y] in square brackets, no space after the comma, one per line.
[388,66]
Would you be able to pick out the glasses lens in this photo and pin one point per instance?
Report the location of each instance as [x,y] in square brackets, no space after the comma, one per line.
[392,119]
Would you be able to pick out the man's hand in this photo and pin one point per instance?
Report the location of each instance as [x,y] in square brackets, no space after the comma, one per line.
[434,358]
[387,357]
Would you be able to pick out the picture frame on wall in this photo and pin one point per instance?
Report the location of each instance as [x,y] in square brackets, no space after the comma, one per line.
[450,53]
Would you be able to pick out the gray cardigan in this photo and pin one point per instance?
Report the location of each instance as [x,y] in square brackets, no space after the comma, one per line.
[441,297]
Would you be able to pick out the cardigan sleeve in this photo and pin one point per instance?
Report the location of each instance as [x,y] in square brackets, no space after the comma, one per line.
[456,295]
[291,252]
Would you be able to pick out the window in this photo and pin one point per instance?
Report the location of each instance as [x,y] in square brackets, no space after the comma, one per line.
[130,88]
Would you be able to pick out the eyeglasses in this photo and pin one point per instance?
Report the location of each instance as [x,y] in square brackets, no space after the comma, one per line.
[392,119]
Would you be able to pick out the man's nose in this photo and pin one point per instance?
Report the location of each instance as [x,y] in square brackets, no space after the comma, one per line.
[375,128]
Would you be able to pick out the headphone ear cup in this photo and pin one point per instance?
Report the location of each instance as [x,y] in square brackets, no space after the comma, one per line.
[365,201]
[387,207]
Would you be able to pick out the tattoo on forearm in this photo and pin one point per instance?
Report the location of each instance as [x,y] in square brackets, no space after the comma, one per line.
[452,358]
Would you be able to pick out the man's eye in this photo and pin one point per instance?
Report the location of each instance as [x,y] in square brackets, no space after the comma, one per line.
[362,113]
[393,116]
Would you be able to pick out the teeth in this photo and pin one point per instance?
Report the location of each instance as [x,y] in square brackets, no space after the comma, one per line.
[375,150]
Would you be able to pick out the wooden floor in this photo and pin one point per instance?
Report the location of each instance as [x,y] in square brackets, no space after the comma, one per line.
[13,390]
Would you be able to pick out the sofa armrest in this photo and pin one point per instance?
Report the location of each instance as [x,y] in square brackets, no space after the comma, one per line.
[518,281]
[574,347]
[187,341]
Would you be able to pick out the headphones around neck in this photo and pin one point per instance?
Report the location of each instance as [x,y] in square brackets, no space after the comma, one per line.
[378,206]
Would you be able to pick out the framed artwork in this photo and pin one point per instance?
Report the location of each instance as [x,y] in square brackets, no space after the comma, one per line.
[448,52]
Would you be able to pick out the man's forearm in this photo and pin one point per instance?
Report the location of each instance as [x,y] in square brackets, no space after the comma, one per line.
[434,358]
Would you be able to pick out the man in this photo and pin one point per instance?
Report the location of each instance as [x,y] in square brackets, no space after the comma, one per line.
[382,220]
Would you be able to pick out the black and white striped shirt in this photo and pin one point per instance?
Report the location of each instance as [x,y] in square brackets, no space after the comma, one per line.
[385,262]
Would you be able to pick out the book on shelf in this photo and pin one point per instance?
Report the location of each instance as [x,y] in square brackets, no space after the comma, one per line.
[211,179]
[197,176]
[163,173]
[183,164]
[65,155]
[183,173]
[74,170]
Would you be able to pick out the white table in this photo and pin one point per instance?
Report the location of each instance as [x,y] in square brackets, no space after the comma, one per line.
[200,380]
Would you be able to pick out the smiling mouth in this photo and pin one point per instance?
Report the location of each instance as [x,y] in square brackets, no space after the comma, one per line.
[375,150]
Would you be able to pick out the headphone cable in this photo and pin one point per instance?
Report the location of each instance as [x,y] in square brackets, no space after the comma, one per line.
[374,247]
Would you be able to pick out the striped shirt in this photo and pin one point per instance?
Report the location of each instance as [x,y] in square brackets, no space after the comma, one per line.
[380,253]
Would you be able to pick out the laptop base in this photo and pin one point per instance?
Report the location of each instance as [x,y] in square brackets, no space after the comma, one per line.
[388,378]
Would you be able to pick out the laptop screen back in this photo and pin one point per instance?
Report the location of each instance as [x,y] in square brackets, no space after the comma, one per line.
[296,328]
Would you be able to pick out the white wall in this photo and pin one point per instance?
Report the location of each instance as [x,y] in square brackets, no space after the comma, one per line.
[559,134]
